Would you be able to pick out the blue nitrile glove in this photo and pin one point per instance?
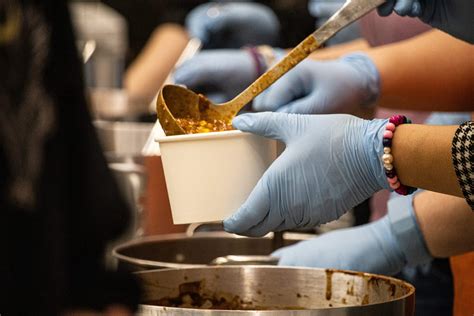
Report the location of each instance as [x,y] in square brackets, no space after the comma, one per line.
[455,17]
[221,73]
[324,8]
[384,246]
[331,163]
[447,118]
[233,25]
[345,85]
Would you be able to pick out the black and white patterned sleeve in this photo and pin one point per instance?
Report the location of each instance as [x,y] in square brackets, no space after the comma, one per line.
[463,159]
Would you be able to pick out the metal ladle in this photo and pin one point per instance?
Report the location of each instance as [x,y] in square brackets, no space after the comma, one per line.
[177,102]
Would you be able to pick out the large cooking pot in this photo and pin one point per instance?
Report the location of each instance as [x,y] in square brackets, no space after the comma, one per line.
[274,289]
[198,250]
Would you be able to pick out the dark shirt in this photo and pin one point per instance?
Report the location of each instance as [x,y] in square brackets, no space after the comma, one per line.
[59,205]
[143,16]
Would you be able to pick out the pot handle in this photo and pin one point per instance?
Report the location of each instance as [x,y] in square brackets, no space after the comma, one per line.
[203,227]
[244,260]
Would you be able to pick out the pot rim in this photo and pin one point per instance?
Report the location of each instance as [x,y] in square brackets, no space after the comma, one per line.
[410,288]
[182,236]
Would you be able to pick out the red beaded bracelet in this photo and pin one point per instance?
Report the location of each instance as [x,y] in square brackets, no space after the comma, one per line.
[387,157]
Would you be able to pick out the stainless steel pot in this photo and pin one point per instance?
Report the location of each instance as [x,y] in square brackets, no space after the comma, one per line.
[130,175]
[317,291]
[198,250]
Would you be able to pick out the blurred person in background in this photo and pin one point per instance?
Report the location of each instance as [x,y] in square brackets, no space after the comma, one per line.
[160,30]
[220,20]
[59,205]
[144,16]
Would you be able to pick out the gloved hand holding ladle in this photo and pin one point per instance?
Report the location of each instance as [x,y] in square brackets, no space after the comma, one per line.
[176,102]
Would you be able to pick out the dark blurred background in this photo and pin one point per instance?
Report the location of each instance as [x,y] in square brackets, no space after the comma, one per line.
[143,16]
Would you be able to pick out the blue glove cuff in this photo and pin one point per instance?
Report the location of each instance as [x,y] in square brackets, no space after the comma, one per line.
[369,73]
[374,143]
[406,230]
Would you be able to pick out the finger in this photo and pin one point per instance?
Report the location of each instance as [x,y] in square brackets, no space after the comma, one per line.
[415,9]
[259,103]
[324,8]
[196,72]
[216,97]
[386,8]
[403,7]
[252,212]
[267,225]
[197,22]
[266,124]
[278,253]
[306,105]
[287,259]
[188,74]
[283,91]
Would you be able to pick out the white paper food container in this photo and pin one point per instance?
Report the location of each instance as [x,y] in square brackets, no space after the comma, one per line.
[210,175]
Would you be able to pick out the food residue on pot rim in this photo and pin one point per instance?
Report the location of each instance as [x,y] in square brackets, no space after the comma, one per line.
[191,295]
[329,274]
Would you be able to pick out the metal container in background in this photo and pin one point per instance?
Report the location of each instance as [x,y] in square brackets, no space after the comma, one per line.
[122,139]
[121,124]
[197,250]
[122,143]
[113,104]
[277,289]
[131,178]
[98,24]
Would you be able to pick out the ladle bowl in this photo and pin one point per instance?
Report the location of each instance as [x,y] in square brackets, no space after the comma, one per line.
[176,102]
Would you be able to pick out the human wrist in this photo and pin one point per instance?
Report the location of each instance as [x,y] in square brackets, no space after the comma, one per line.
[258,61]
[369,75]
[264,57]
[387,158]
[361,150]
[405,228]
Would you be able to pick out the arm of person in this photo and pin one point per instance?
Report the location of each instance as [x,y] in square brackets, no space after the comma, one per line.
[446,223]
[336,51]
[421,73]
[430,72]
[433,225]
[148,72]
[422,157]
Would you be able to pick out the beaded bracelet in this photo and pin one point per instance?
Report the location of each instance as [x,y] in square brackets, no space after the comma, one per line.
[263,56]
[387,157]
[259,60]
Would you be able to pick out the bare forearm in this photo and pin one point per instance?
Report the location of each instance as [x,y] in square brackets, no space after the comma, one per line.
[337,51]
[432,71]
[446,223]
[422,157]
[148,72]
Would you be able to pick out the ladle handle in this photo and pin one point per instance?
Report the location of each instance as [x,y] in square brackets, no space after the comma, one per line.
[351,11]
[296,55]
